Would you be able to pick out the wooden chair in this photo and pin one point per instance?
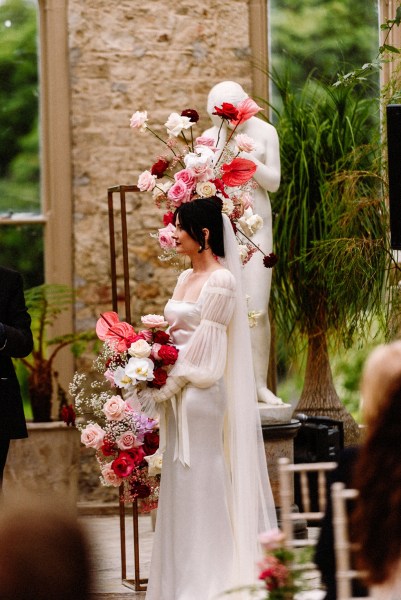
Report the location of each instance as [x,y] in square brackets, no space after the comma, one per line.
[342,545]
[287,470]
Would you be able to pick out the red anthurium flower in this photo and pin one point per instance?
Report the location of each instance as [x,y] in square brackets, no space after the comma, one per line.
[106,320]
[220,187]
[238,171]
[226,111]
[120,335]
[246,109]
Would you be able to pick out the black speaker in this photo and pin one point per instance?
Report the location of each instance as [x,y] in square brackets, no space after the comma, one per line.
[394,172]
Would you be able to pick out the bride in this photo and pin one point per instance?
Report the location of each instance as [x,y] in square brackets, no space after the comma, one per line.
[215,496]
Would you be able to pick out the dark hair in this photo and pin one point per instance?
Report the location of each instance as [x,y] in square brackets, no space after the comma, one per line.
[203,213]
[376,521]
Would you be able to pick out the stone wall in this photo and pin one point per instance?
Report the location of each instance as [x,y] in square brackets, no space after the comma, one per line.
[155,55]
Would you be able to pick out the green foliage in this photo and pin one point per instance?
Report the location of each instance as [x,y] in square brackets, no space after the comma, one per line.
[19,77]
[330,227]
[21,248]
[322,35]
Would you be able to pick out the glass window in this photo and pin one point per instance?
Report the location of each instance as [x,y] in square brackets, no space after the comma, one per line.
[21,219]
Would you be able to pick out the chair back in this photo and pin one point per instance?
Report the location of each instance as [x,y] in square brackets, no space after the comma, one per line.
[307,511]
[345,574]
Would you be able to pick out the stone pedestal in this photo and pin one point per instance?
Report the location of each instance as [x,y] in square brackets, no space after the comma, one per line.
[279,442]
[45,463]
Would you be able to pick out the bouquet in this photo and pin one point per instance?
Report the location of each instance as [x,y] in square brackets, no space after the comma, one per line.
[126,441]
[196,168]
[281,570]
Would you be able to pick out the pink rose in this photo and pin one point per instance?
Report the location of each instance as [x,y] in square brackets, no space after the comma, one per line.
[138,120]
[114,409]
[204,140]
[146,335]
[155,351]
[146,181]
[165,237]
[154,322]
[244,142]
[272,539]
[187,177]
[179,193]
[92,436]
[110,476]
[106,320]
[109,376]
[127,440]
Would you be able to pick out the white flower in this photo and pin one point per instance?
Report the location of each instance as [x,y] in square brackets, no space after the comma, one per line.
[146,181]
[243,252]
[140,349]
[139,120]
[205,189]
[250,223]
[200,160]
[121,379]
[155,462]
[160,191]
[176,123]
[244,142]
[253,317]
[228,206]
[140,369]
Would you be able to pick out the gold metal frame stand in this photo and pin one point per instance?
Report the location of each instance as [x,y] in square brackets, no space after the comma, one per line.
[136,583]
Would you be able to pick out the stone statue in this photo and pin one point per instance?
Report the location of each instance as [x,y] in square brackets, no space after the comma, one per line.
[257,278]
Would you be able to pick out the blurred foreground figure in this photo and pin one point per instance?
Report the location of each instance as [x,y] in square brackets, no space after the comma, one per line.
[44,553]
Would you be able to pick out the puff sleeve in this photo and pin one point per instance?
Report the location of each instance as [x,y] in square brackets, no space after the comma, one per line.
[203,360]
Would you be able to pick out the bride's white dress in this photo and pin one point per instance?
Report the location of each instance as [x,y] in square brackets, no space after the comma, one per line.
[194,549]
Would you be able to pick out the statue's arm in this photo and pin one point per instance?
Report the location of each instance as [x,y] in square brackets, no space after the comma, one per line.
[268,172]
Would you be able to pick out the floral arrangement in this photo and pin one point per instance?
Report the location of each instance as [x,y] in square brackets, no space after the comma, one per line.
[281,570]
[126,441]
[195,167]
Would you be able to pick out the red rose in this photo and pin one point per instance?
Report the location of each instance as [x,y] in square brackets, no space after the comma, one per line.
[160,377]
[137,455]
[168,218]
[68,415]
[168,355]
[123,465]
[140,490]
[159,167]
[227,111]
[108,448]
[192,114]
[270,260]
[161,337]
[150,442]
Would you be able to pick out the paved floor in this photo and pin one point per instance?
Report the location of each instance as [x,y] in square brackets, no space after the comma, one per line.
[104,536]
[103,527]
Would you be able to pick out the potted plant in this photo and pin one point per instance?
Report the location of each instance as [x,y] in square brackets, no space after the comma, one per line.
[45,303]
[330,230]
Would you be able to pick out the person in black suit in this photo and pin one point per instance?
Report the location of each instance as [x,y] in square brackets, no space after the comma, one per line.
[15,341]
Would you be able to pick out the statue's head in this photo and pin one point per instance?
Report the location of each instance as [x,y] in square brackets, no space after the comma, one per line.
[225,91]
